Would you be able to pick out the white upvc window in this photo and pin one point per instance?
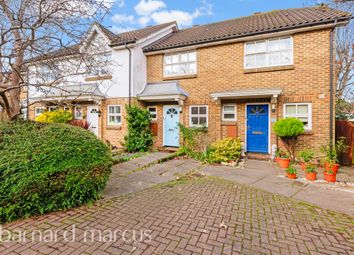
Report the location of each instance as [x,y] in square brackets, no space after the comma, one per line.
[114,116]
[52,108]
[198,116]
[78,112]
[153,112]
[229,112]
[47,73]
[183,63]
[38,111]
[101,64]
[301,111]
[268,53]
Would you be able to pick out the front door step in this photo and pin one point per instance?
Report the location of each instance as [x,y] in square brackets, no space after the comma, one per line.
[167,149]
[258,156]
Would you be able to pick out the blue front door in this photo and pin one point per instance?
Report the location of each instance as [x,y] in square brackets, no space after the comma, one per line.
[171,129]
[257,128]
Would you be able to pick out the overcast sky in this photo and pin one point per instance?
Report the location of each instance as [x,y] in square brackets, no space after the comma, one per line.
[132,14]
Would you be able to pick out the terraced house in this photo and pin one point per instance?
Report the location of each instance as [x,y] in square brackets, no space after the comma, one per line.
[235,77]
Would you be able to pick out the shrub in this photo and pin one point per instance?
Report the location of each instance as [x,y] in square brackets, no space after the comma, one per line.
[58,116]
[288,130]
[195,142]
[48,167]
[139,137]
[225,150]
[333,151]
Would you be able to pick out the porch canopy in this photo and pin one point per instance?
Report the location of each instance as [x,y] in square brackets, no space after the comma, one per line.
[247,93]
[78,92]
[163,92]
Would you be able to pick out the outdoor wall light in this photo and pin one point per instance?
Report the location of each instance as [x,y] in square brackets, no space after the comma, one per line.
[274,106]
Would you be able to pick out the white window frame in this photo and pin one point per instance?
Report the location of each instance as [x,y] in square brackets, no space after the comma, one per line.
[35,111]
[198,115]
[52,108]
[102,66]
[179,63]
[308,115]
[114,114]
[150,107]
[82,113]
[267,52]
[228,112]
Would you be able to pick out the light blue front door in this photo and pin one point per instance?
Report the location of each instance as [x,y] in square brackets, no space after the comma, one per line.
[171,129]
[257,128]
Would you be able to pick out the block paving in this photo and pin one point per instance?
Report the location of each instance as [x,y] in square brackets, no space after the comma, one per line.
[201,215]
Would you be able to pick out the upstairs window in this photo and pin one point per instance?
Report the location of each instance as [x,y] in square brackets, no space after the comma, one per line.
[301,111]
[268,53]
[52,108]
[114,115]
[100,66]
[47,73]
[198,116]
[184,63]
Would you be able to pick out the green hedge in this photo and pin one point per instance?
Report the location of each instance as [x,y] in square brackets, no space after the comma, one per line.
[48,167]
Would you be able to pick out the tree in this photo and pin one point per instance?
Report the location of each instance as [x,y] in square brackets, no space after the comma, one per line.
[32,29]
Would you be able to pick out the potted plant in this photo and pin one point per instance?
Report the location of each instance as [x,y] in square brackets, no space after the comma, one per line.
[291,172]
[277,155]
[306,157]
[289,130]
[283,159]
[332,154]
[330,176]
[311,173]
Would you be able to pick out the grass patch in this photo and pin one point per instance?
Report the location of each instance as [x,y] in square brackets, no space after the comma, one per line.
[127,158]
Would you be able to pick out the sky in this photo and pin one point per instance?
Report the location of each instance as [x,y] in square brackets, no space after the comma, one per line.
[133,14]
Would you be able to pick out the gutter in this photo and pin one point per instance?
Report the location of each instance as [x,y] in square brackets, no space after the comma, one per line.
[130,73]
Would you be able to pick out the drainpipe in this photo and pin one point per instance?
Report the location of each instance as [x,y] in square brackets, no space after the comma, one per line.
[331,91]
[130,71]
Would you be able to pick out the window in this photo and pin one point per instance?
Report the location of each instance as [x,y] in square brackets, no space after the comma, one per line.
[198,116]
[114,115]
[229,112]
[180,64]
[101,65]
[272,52]
[301,111]
[38,111]
[153,112]
[78,112]
[52,108]
[47,73]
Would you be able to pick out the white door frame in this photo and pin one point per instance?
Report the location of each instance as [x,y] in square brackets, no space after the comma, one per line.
[98,118]
[269,129]
[163,116]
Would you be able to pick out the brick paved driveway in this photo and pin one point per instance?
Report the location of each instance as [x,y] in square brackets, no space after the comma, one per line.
[203,215]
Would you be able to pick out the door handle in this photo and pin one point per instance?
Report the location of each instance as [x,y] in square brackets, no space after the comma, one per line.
[171,129]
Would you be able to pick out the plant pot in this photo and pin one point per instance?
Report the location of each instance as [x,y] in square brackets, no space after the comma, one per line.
[330,177]
[335,167]
[284,162]
[276,159]
[291,176]
[303,165]
[311,176]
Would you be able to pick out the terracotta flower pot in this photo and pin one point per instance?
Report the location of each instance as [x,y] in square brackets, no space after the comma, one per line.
[284,162]
[276,159]
[303,165]
[335,167]
[330,177]
[291,176]
[311,176]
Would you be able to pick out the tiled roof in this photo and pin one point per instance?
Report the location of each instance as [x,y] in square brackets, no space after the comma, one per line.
[134,35]
[255,24]
[116,39]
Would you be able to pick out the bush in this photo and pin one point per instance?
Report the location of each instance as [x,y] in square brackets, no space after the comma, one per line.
[288,130]
[139,137]
[48,167]
[58,116]
[225,150]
